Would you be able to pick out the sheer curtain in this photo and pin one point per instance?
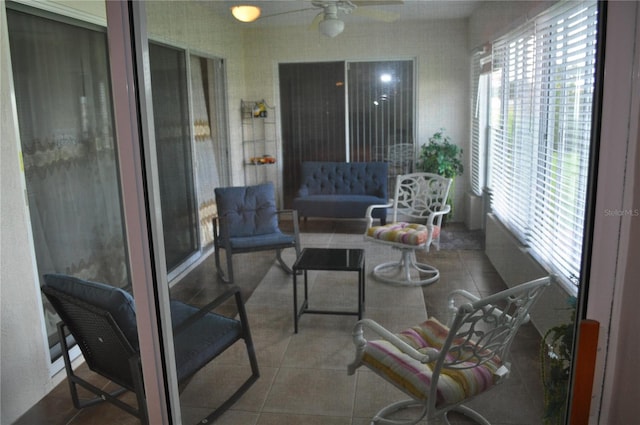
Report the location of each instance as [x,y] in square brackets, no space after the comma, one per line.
[205,131]
[65,118]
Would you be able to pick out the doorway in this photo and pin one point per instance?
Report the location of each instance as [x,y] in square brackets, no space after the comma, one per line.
[346,111]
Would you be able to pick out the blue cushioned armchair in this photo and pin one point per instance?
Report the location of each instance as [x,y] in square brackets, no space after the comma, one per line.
[247,221]
[102,320]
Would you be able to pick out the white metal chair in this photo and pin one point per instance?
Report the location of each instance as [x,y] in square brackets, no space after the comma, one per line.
[421,199]
[440,367]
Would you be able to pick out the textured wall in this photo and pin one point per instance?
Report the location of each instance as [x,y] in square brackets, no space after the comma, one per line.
[22,339]
[442,68]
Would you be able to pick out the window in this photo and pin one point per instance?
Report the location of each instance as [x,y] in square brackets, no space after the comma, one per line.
[190,157]
[541,107]
[63,95]
[62,84]
[480,75]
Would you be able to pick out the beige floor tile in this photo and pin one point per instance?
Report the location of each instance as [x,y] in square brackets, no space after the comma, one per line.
[312,392]
[192,415]
[215,383]
[304,377]
[280,419]
[316,347]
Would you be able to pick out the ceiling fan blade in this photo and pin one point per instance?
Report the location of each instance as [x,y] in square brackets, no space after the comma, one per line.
[286,13]
[377,2]
[376,14]
[313,26]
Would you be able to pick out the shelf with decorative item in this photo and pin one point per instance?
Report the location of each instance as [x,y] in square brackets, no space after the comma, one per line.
[260,143]
[262,160]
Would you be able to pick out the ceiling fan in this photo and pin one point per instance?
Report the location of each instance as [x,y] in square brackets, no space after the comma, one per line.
[328,21]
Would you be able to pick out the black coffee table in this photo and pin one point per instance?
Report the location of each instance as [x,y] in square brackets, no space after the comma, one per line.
[327,259]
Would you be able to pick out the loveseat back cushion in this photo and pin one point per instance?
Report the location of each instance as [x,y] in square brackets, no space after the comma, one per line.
[115,300]
[248,210]
[343,178]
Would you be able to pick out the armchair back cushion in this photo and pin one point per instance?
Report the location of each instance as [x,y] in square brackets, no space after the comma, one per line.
[115,300]
[248,210]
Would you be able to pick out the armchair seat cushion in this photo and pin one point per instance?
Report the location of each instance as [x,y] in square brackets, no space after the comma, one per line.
[456,383]
[259,242]
[404,233]
[201,341]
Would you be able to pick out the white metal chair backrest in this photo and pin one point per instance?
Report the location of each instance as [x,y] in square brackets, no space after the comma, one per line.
[418,195]
[483,329]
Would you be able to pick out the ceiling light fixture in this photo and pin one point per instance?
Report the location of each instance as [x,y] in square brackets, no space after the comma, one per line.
[245,13]
[331,27]
[330,24]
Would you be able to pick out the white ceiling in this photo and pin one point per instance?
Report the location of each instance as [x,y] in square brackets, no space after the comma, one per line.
[408,10]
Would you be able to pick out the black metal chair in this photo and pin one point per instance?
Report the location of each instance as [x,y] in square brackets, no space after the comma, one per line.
[247,221]
[102,320]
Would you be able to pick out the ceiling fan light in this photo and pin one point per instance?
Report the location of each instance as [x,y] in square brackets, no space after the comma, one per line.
[245,13]
[331,27]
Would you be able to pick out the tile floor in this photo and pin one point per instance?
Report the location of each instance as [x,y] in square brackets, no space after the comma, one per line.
[303,376]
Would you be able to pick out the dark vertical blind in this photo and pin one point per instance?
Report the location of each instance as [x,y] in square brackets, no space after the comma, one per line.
[380,115]
[313,118]
[380,108]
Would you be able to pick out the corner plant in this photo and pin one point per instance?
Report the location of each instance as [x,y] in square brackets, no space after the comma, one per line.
[441,157]
[556,353]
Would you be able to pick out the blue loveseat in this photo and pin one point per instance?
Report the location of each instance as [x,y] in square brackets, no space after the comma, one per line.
[341,189]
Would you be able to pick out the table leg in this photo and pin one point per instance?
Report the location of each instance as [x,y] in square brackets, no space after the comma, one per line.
[295,303]
[360,293]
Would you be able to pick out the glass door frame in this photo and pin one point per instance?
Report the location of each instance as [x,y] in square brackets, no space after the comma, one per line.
[163,404]
[133,112]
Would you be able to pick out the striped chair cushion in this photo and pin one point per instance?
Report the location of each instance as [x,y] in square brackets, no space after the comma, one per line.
[454,385]
[404,233]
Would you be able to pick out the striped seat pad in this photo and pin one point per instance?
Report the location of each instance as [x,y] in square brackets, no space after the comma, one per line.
[404,233]
[454,384]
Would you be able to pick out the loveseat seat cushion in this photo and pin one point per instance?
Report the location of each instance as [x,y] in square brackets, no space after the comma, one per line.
[337,206]
[341,189]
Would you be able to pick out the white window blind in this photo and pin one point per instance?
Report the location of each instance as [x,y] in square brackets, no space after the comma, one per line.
[544,73]
[479,114]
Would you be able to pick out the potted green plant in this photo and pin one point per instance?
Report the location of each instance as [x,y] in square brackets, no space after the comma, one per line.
[440,156]
[556,353]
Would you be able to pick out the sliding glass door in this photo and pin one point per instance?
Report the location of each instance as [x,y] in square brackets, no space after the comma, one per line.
[313,123]
[65,114]
[353,111]
[173,147]
[381,112]
[63,95]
